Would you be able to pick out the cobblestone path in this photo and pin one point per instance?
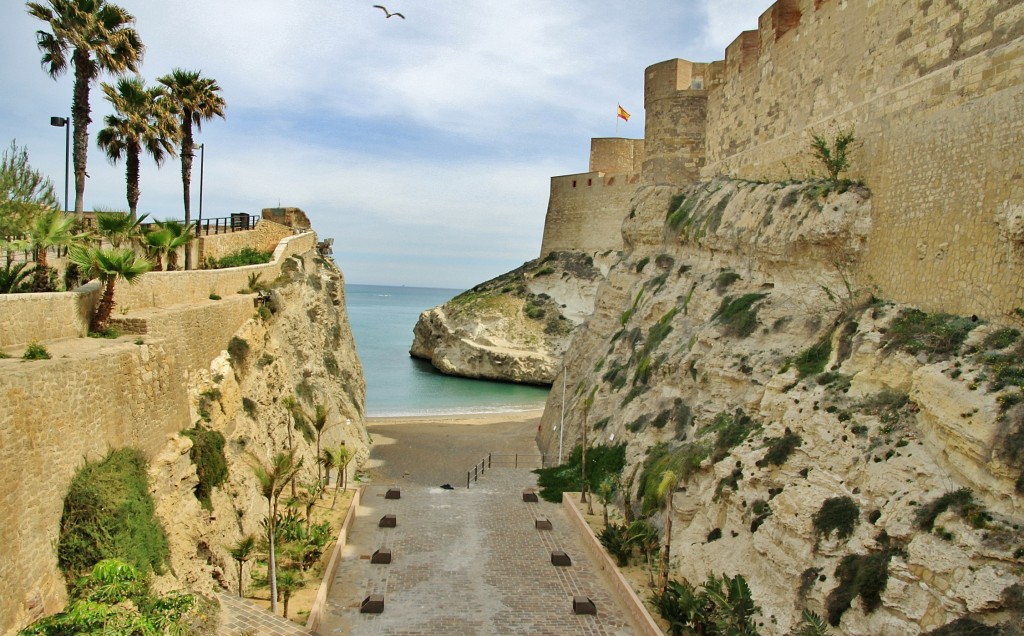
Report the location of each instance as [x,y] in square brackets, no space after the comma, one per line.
[468,561]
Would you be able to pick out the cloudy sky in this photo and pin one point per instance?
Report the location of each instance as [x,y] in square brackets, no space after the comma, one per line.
[424,146]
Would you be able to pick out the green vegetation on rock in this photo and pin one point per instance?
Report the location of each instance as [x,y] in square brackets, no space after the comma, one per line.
[207,454]
[602,462]
[738,316]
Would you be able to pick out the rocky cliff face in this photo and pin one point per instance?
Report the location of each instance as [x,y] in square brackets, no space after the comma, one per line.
[823,439]
[516,327]
[301,348]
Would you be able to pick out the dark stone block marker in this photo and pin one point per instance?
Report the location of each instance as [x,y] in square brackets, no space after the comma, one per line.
[530,496]
[388,521]
[382,555]
[374,604]
[542,524]
[393,493]
[583,605]
[560,558]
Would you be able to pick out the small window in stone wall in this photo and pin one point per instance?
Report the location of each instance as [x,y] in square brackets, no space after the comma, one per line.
[697,84]
[574,183]
[590,182]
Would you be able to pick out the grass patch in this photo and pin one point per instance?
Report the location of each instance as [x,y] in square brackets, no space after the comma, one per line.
[602,462]
[731,430]
[642,263]
[211,465]
[109,513]
[244,256]
[682,460]
[1001,338]
[811,361]
[738,316]
[726,278]
[938,336]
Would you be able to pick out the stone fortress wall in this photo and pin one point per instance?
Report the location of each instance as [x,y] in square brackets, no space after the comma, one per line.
[935,94]
[28,317]
[96,394]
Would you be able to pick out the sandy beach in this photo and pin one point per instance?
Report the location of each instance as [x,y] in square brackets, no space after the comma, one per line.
[435,450]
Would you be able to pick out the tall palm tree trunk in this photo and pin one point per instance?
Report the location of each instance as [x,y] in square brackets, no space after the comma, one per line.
[240,563]
[132,168]
[663,566]
[186,176]
[80,116]
[272,564]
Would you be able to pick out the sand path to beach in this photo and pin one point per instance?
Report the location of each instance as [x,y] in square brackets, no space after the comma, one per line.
[466,560]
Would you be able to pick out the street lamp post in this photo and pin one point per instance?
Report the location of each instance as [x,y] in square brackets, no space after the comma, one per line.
[202,161]
[65,122]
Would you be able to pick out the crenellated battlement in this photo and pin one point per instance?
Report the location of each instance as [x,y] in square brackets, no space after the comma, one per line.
[935,94]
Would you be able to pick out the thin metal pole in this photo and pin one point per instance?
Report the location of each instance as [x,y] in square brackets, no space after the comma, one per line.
[202,164]
[467,479]
[67,159]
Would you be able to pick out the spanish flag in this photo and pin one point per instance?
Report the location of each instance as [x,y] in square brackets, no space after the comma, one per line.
[622,114]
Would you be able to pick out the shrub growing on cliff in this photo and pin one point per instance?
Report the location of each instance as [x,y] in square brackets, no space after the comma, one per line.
[936,335]
[837,514]
[863,575]
[738,316]
[834,156]
[720,606]
[109,513]
[780,448]
[211,465]
[811,361]
[238,350]
[961,501]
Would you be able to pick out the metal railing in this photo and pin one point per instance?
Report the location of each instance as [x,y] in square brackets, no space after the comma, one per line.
[505,460]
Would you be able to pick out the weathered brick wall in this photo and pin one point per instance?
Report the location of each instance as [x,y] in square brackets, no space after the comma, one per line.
[935,93]
[616,155]
[585,212]
[28,317]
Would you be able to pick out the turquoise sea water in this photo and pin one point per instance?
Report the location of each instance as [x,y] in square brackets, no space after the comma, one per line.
[382,320]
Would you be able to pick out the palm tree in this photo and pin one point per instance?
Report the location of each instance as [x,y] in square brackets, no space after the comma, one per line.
[52,229]
[642,533]
[242,552]
[317,419]
[109,265]
[99,38]
[337,457]
[290,582]
[307,498]
[197,100]
[665,492]
[143,120]
[273,478]
[119,228]
[605,490]
[163,241]
[14,277]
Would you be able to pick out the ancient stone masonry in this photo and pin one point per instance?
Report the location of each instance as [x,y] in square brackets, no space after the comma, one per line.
[935,94]
[141,390]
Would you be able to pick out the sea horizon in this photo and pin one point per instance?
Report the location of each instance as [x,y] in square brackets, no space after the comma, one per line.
[398,385]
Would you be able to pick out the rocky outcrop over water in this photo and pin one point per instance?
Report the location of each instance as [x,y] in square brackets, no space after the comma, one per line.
[516,327]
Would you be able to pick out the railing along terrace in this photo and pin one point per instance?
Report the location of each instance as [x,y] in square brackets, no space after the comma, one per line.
[505,460]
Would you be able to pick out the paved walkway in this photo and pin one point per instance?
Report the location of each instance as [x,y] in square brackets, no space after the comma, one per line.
[241,618]
[468,562]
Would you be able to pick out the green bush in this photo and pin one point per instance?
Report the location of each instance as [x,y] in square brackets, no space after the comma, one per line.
[1001,338]
[863,575]
[720,606]
[812,360]
[602,461]
[211,465]
[834,156]
[780,448]
[731,430]
[244,256]
[738,315]
[960,501]
[726,278]
[36,351]
[109,513]
[238,350]
[936,335]
[837,514]
[615,539]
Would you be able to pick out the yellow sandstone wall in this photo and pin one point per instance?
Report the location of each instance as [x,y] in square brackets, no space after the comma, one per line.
[264,237]
[935,93]
[585,212]
[91,396]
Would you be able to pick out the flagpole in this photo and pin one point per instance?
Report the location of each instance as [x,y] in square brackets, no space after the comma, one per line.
[617,121]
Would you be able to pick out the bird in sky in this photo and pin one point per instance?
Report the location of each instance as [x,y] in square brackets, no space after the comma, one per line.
[388,14]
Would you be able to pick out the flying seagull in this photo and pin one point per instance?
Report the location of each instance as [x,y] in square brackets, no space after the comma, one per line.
[388,14]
